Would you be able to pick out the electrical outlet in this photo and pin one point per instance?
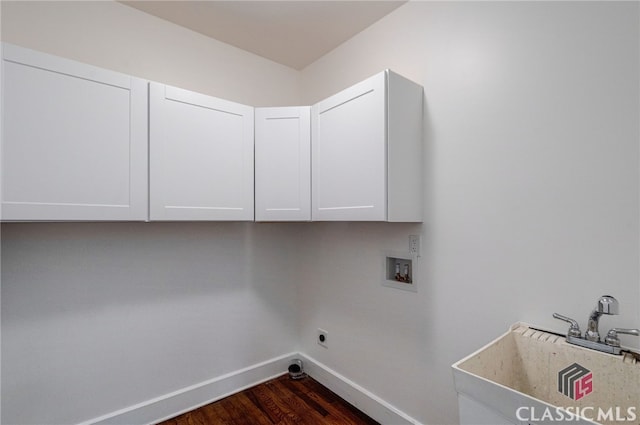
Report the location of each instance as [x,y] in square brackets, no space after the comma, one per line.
[322,337]
[414,245]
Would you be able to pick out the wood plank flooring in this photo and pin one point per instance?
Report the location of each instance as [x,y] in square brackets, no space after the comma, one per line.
[280,401]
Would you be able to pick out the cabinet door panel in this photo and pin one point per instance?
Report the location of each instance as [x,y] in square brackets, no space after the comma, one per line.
[201,157]
[349,153]
[74,140]
[283,164]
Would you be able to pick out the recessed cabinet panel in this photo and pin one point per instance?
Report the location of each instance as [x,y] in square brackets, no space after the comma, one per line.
[201,156]
[283,164]
[74,140]
[367,152]
[349,160]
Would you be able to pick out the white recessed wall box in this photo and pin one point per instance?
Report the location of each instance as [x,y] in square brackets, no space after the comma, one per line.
[399,271]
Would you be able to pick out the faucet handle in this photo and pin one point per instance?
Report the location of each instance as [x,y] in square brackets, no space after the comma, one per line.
[612,336]
[574,329]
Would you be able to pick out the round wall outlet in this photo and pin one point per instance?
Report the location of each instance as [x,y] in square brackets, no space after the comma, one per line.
[322,338]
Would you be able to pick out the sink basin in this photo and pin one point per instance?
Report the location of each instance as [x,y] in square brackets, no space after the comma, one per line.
[527,376]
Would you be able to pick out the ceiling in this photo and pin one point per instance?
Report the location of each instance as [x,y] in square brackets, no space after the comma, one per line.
[293,33]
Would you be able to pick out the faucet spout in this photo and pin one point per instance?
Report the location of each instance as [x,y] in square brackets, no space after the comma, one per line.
[611,344]
[606,305]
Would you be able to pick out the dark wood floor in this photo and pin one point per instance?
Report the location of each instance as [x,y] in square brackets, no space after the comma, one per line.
[280,401]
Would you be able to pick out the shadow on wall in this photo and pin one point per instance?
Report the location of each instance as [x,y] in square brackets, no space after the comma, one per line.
[54,268]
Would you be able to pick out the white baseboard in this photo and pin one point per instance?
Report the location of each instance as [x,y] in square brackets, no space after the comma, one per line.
[358,396]
[189,398]
[192,397]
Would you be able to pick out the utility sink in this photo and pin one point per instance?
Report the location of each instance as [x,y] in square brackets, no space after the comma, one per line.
[528,376]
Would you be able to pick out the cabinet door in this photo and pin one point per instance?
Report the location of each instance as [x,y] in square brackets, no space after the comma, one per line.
[283,164]
[349,154]
[74,143]
[201,156]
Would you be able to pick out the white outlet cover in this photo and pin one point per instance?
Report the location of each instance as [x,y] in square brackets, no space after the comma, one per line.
[414,245]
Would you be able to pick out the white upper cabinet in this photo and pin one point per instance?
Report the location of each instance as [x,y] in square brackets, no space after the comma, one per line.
[74,140]
[367,152]
[201,157]
[283,164]
[83,143]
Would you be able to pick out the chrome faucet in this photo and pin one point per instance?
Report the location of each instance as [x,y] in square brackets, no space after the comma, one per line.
[606,305]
